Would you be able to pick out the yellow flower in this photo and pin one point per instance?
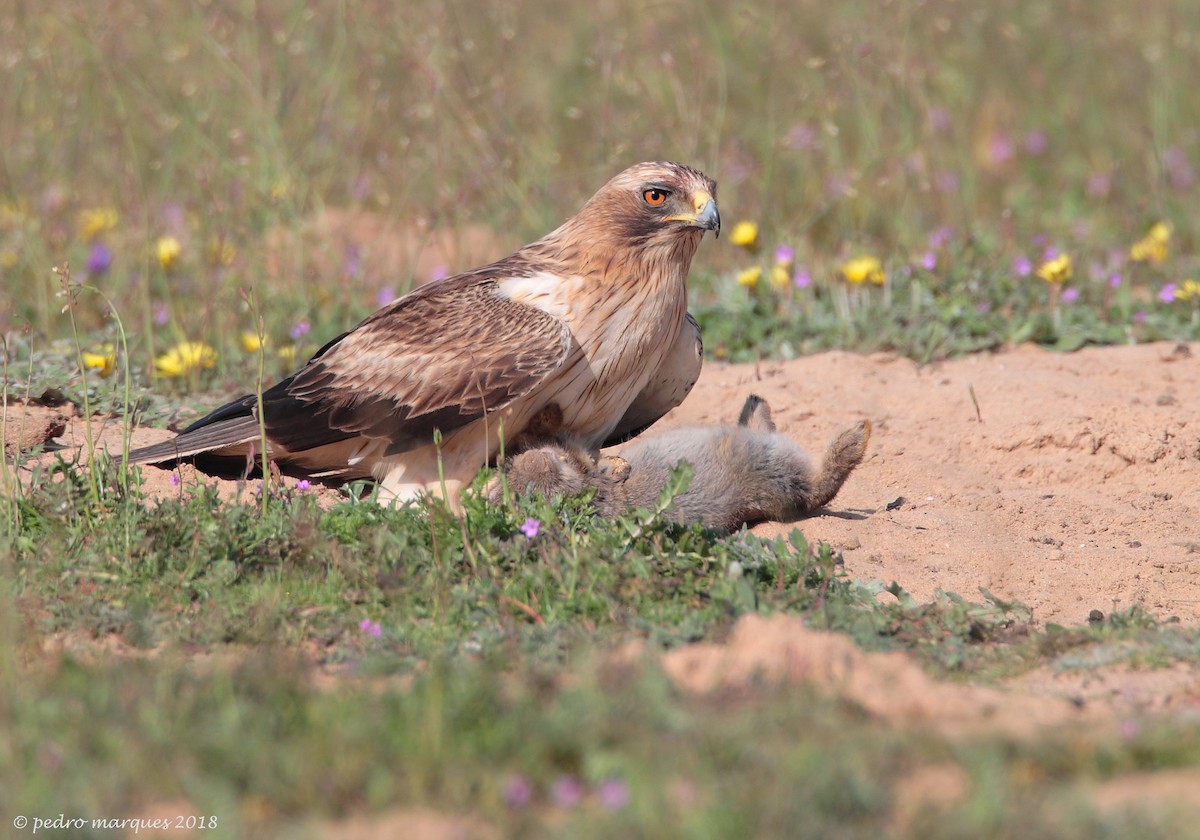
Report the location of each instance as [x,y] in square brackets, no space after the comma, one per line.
[781,278]
[167,250]
[287,354]
[1152,248]
[748,277]
[92,223]
[105,361]
[863,269]
[184,358]
[745,234]
[1188,290]
[252,342]
[220,252]
[1057,270]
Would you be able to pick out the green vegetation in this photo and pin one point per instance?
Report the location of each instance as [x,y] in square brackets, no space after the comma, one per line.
[275,662]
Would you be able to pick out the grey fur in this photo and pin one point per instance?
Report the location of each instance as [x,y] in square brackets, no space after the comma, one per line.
[744,473]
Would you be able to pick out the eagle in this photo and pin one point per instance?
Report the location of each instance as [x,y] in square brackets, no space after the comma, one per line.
[425,391]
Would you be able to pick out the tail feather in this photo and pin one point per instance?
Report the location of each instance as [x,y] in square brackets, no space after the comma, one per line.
[224,433]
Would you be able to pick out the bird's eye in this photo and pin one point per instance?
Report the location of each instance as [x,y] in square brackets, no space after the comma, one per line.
[654,196]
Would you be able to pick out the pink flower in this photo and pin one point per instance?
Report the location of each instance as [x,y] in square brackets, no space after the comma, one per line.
[385,296]
[1167,293]
[566,791]
[613,794]
[1021,266]
[371,628]
[802,279]
[517,791]
[929,261]
[1070,295]
[300,329]
[531,527]
[303,484]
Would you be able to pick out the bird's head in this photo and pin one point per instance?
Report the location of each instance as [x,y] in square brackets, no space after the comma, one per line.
[654,204]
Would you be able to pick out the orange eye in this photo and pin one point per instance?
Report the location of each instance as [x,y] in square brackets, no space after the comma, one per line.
[654,196]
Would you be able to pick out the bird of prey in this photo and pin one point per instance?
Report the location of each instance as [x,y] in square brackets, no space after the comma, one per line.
[592,317]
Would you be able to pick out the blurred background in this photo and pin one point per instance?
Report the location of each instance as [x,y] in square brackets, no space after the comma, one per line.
[205,164]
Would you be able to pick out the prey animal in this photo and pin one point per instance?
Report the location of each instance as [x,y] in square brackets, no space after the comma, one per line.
[743,473]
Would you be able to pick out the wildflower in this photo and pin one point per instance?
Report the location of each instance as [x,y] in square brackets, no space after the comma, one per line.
[440,272]
[1152,248]
[802,279]
[1114,280]
[185,357]
[220,252]
[1167,293]
[174,479]
[531,527]
[167,250]
[385,296]
[566,791]
[1021,266]
[92,223]
[371,628]
[940,237]
[1188,290]
[99,259]
[287,354]
[299,329]
[161,314]
[745,234]
[863,269]
[1139,316]
[1098,185]
[613,794]
[252,342]
[105,361]
[780,276]
[785,255]
[1036,142]
[303,484]
[1056,269]
[929,261]
[517,791]
[1000,149]
[748,277]
[1070,294]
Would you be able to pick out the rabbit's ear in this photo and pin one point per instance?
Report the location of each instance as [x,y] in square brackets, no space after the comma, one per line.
[756,414]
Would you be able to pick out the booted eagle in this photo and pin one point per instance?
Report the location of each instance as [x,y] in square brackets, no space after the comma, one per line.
[592,317]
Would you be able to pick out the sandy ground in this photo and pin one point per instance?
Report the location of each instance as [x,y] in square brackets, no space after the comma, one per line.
[1068,482]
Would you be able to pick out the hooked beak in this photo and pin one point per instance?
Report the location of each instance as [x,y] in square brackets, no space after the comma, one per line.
[706,216]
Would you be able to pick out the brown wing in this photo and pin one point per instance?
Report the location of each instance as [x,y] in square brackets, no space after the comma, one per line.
[437,358]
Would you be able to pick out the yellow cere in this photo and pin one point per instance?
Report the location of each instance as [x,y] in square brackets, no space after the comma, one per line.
[1058,270]
[744,234]
[862,270]
[185,357]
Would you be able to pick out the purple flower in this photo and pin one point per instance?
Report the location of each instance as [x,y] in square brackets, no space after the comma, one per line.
[929,261]
[1051,253]
[99,259]
[174,479]
[517,791]
[785,255]
[303,484]
[566,791]
[947,181]
[802,279]
[1070,294]
[1000,149]
[1098,185]
[1167,293]
[613,794]
[161,314]
[1139,316]
[385,295]
[1036,142]
[352,260]
[300,329]
[439,272]
[371,628]
[531,527]
[939,238]
[939,119]
[803,137]
[1021,266]
[1114,280]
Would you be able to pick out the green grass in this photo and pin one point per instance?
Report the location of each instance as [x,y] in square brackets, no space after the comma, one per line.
[957,143]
